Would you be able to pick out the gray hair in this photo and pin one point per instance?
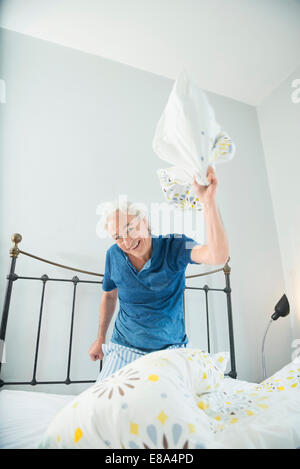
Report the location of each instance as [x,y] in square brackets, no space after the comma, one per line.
[107,209]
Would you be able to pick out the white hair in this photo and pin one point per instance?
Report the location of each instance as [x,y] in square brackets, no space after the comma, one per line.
[107,209]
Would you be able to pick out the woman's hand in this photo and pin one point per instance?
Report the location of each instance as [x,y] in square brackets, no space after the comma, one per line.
[206,194]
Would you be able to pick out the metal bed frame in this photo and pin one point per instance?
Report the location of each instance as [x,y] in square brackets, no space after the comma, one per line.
[12,277]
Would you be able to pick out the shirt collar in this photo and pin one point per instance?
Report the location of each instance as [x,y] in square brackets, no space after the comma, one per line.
[147,264]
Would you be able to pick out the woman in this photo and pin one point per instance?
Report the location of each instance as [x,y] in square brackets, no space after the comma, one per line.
[147,274]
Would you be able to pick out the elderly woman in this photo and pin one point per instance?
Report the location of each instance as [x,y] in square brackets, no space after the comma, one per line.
[147,274]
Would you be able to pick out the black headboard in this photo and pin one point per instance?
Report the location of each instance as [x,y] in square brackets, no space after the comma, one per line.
[12,277]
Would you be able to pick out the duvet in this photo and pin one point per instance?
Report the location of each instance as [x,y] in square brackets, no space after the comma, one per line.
[179,398]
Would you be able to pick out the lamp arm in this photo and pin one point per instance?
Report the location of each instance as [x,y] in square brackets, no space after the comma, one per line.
[263,350]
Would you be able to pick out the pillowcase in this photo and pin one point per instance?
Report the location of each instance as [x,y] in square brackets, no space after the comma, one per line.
[206,371]
[287,378]
[221,359]
[189,137]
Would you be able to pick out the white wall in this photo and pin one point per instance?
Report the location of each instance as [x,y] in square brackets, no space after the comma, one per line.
[257,276]
[279,119]
[159,36]
[76,131]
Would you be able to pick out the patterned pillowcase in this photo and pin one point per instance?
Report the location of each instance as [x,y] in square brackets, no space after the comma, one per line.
[206,371]
[202,372]
[177,194]
[288,378]
[242,401]
[180,194]
[221,359]
[150,403]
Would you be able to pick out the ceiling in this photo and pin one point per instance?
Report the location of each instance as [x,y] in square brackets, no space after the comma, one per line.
[242,49]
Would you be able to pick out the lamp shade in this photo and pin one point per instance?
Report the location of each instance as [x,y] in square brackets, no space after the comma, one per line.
[282,308]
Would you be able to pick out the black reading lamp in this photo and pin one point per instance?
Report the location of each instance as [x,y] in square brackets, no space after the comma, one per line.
[282,309]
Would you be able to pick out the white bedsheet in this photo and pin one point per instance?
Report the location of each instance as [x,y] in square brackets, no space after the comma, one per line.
[25,416]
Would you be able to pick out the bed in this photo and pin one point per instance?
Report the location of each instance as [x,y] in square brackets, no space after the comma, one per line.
[193,402]
[26,416]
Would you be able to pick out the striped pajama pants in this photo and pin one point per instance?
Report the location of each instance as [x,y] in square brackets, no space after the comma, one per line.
[116,356]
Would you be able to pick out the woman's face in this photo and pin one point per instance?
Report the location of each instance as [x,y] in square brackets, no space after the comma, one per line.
[130,233]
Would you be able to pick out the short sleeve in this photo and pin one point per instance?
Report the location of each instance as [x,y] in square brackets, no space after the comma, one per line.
[180,251]
[108,284]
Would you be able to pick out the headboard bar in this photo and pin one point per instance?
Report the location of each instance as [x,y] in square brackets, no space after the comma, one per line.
[12,277]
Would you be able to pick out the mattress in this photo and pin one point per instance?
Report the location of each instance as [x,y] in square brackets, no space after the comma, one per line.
[25,416]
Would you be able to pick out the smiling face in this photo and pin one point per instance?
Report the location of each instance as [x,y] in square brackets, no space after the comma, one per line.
[130,233]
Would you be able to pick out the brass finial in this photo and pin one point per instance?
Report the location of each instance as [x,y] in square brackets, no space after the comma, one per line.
[227,268]
[16,239]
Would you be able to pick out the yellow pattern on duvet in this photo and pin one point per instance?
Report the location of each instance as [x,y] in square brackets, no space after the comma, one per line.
[228,407]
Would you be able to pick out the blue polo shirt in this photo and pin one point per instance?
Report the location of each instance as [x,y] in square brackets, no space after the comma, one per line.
[151,314]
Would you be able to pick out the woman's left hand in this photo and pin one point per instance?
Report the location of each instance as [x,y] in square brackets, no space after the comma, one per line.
[206,194]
